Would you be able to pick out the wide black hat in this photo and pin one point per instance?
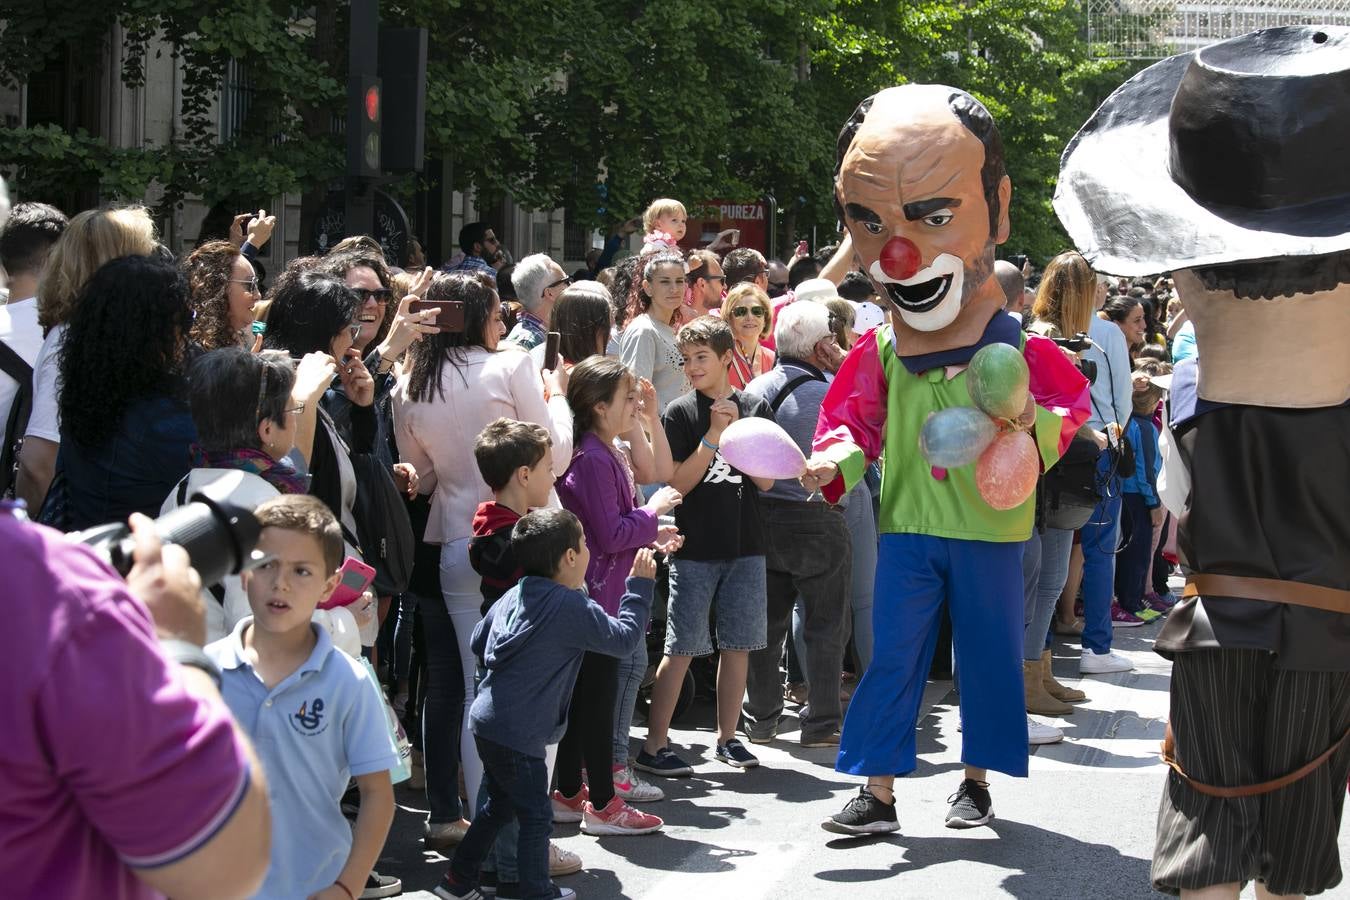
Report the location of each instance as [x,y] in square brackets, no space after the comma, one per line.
[1238,151]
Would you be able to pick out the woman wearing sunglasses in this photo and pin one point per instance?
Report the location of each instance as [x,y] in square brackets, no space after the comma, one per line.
[222,288]
[746,310]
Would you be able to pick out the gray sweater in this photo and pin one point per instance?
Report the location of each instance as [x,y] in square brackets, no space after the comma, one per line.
[531,642]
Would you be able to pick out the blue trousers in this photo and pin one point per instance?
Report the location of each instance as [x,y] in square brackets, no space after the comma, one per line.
[981,583]
[1099,538]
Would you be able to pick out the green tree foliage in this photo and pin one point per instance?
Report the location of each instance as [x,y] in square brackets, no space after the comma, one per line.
[541,99]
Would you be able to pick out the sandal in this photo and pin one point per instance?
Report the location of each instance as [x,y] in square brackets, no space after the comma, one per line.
[1068,628]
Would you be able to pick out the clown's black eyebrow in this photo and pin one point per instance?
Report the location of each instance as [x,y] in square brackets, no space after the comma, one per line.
[861,213]
[921,209]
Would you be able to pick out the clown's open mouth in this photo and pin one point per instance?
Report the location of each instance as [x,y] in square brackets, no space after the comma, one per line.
[921,297]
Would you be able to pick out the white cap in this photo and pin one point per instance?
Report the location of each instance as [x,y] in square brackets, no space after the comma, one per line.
[868,316]
[817,289]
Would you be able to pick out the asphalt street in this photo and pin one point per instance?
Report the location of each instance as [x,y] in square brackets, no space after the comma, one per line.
[1081,826]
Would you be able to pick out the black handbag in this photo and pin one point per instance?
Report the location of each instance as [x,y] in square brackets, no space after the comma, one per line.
[384,532]
[1071,490]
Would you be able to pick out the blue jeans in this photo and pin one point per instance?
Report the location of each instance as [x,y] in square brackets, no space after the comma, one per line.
[1099,568]
[631,672]
[1132,563]
[517,791]
[737,586]
[1051,571]
[442,712]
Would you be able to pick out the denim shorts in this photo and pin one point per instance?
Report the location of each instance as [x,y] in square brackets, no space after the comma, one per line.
[737,586]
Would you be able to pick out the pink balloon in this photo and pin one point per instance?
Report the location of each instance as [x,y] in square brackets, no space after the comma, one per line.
[762,449]
[1006,471]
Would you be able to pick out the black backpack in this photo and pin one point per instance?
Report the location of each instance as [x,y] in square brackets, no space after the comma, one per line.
[383,528]
[1070,486]
[13,365]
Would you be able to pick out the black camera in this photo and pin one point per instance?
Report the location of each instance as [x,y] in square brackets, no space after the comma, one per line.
[1077,344]
[219,538]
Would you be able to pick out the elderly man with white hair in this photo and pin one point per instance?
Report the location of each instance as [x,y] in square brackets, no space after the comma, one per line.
[807,546]
[538,281]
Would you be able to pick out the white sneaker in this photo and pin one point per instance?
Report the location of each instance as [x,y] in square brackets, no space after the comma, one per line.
[632,788]
[1094,663]
[1038,733]
[562,862]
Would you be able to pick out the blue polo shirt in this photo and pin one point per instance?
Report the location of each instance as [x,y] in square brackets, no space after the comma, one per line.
[324,723]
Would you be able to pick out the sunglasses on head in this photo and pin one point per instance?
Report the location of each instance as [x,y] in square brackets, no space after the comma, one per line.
[756,311]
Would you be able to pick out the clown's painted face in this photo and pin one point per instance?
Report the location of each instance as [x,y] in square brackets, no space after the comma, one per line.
[914,203]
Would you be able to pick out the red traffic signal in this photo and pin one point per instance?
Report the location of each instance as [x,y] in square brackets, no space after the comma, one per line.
[373,103]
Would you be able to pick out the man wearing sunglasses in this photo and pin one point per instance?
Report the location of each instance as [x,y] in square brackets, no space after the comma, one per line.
[539,282]
[706,281]
[480,246]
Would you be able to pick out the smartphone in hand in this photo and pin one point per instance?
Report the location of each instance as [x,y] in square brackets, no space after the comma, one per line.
[355,578]
[551,351]
[449,313]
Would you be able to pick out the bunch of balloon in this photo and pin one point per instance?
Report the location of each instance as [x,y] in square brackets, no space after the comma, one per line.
[991,434]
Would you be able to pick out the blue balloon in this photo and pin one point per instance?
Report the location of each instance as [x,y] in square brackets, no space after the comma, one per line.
[955,437]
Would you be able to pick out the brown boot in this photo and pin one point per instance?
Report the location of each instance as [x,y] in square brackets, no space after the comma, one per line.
[1054,688]
[1039,702]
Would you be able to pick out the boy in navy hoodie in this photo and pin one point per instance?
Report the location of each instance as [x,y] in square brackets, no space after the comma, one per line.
[531,642]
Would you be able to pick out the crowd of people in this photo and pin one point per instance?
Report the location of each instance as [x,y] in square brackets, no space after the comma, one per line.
[550,451]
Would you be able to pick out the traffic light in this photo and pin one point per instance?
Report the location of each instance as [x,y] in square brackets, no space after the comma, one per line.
[365,115]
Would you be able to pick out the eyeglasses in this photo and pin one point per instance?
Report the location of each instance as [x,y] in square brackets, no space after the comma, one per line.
[379,295]
[695,276]
[295,410]
[557,283]
[251,283]
[756,311]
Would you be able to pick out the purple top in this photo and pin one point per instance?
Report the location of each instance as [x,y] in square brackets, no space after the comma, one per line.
[599,490]
[107,762]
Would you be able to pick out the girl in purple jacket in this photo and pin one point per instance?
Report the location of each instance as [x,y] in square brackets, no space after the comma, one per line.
[613,417]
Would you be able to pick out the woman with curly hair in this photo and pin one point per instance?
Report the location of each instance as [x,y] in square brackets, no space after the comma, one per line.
[222,288]
[92,238]
[126,428]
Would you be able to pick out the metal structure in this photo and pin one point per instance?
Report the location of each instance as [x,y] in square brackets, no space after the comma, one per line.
[1148,29]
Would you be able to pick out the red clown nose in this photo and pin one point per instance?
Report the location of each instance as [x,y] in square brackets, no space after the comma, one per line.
[900,259]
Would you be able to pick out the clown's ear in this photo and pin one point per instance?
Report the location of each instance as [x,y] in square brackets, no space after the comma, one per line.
[1004,200]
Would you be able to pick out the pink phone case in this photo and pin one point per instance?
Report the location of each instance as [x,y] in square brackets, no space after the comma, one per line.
[356,577]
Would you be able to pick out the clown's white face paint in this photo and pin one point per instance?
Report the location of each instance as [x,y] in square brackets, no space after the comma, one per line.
[931,299]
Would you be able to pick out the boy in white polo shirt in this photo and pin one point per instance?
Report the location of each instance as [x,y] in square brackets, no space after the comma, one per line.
[314,715]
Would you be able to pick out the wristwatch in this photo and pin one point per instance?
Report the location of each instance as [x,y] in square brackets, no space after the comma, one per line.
[189,654]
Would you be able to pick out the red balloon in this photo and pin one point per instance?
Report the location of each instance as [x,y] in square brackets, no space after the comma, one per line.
[900,259]
[1006,472]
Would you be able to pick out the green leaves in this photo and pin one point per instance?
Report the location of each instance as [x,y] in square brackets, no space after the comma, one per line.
[540,100]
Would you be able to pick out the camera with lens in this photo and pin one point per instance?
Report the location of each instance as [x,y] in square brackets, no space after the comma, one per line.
[1077,344]
[219,538]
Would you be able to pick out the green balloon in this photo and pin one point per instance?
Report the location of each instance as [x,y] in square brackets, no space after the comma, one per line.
[997,380]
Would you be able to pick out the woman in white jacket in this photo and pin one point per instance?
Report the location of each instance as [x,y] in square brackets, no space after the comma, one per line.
[456,383]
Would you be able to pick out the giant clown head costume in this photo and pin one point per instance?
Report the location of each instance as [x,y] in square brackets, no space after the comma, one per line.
[921,187]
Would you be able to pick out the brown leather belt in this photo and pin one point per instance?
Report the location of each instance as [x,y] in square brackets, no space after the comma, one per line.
[1295,593]
[1248,790]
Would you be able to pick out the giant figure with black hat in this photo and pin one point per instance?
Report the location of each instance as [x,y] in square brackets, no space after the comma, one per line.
[922,189]
[1230,167]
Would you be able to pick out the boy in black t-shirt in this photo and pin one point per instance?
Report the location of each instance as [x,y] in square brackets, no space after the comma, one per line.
[722,558]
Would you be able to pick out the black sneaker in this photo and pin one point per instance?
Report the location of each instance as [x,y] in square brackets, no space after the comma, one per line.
[662,762]
[971,805]
[448,889]
[378,886]
[864,814]
[487,883]
[733,753]
[510,890]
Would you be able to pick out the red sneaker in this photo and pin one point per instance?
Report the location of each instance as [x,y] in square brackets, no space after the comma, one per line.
[1123,618]
[570,809]
[618,818]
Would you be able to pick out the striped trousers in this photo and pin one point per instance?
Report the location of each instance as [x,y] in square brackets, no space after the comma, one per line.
[1238,720]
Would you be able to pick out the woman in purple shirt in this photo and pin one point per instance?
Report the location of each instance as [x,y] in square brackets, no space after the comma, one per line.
[600,487]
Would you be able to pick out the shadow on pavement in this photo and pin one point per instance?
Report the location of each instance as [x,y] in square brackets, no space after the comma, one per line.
[1042,863]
